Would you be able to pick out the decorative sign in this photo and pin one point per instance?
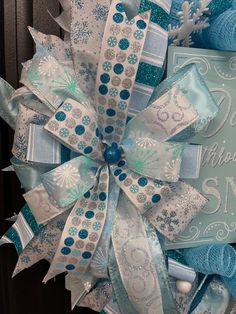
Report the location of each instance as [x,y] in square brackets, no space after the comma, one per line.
[217,181]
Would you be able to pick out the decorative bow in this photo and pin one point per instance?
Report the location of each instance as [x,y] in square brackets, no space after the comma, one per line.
[145,159]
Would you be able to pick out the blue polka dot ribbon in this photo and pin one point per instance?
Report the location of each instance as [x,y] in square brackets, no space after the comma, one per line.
[82,230]
[122,46]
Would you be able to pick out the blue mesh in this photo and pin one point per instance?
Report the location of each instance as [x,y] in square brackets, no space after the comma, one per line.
[212,259]
[221,34]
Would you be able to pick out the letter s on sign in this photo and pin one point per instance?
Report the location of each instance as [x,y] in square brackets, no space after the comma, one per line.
[209,190]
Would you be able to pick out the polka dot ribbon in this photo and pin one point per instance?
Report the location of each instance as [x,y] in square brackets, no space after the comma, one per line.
[82,230]
[122,46]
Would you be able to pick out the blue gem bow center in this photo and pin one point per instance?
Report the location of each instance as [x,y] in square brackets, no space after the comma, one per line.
[112,154]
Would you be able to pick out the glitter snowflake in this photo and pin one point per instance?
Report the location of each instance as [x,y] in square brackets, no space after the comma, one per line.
[81,32]
[45,236]
[60,225]
[25,259]
[87,71]
[34,248]
[39,120]
[168,220]
[79,4]
[189,23]
[100,12]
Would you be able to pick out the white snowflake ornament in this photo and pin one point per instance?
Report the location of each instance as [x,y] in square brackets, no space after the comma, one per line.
[189,23]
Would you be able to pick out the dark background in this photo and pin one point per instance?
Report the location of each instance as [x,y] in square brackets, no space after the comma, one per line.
[25,293]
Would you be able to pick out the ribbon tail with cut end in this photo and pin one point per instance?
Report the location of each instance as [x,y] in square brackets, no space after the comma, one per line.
[134,259]
[43,245]
[82,230]
[79,287]
[22,231]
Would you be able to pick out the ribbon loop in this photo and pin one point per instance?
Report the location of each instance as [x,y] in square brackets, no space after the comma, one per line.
[164,118]
[51,81]
[154,159]
[196,91]
[9,108]
[68,182]
[118,65]
[76,126]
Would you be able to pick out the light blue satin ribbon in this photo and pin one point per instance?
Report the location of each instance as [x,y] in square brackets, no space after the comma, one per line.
[196,91]
[9,107]
[215,299]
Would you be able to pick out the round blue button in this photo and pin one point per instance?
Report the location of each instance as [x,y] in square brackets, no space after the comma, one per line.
[88,150]
[124,94]
[89,214]
[142,181]
[117,172]
[112,154]
[103,89]
[111,112]
[102,196]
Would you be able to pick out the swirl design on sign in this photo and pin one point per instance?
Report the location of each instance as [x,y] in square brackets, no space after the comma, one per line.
[223,231]
[202,64]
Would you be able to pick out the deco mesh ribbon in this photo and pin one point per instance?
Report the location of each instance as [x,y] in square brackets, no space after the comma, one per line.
[99,189]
